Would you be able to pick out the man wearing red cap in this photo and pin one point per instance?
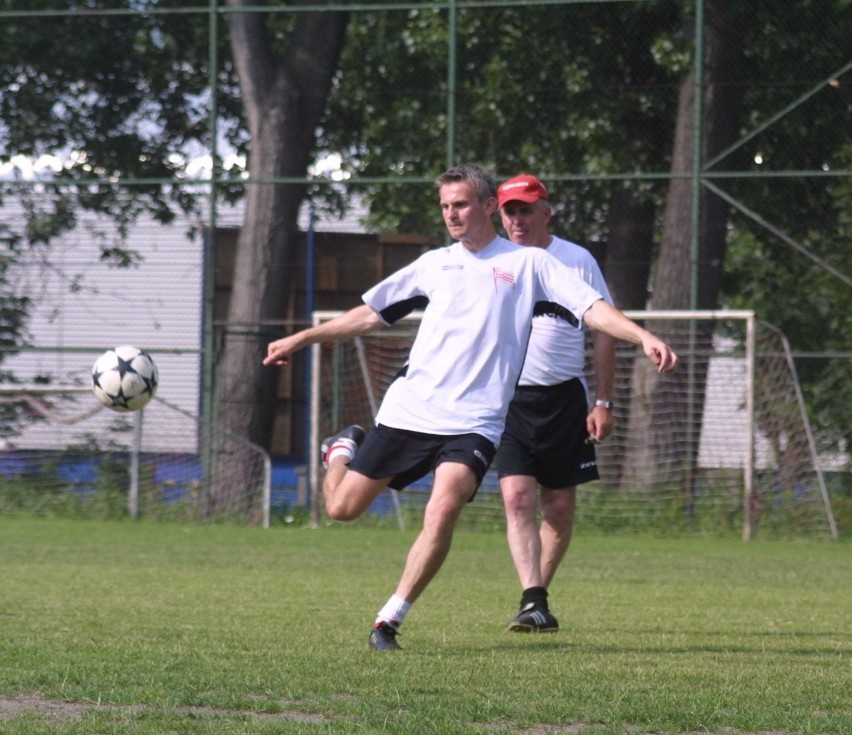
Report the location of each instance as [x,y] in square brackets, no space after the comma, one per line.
[550,432]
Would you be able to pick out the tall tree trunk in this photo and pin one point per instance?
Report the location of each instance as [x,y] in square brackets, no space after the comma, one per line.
[629,251]
[284,95]
[663,432]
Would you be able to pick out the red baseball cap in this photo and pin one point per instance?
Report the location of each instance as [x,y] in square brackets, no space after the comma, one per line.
[523,188]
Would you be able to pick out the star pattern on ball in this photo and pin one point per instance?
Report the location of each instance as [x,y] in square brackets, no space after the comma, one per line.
[124,378]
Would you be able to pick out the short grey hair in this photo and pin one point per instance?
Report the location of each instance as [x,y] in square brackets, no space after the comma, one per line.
[478,176]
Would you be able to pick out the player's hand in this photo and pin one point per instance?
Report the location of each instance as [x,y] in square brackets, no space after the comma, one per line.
[279,351]
[599,424]
[662,355]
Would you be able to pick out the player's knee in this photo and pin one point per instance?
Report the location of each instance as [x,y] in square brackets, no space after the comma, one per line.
[341,511]
[558,507]
[440,517]
[519,503]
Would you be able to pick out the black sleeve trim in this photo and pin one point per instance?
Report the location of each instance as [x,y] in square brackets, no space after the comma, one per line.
[397,311]
[548,308]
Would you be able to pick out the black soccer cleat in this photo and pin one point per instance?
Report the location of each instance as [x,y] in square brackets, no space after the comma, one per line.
[351,438]
[383,638]
[534,620]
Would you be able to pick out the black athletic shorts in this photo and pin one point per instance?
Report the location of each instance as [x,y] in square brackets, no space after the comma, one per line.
[406,456]
[545,436]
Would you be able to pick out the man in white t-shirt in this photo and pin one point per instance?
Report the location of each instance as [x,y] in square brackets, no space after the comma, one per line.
[445,413]
[548,442]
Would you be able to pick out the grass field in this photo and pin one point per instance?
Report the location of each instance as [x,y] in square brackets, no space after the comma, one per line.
[115,627]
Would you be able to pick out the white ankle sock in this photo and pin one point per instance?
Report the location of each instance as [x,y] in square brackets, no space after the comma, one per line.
[394,611]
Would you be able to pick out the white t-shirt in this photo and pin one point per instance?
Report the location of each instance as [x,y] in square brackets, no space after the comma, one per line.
[556,351]
[466,359]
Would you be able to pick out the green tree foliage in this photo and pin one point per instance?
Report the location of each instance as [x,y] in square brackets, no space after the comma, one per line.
[549,89]
[801,68]
[118,97]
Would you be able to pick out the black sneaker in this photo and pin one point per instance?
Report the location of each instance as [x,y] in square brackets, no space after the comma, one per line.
[383,638]
[351,437]
[533,620]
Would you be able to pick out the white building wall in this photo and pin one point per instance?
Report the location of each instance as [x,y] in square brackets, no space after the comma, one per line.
[82,306]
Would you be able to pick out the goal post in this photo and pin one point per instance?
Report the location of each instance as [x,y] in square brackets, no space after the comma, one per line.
[719,446]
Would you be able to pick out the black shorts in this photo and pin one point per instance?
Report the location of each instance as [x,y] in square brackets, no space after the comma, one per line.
[406,456]
[545,436]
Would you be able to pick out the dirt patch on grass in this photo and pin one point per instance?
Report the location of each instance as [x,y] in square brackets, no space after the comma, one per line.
[57,711]
[51,709]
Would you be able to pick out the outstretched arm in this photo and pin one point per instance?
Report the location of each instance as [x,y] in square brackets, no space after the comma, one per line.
[608,319]
[355,322]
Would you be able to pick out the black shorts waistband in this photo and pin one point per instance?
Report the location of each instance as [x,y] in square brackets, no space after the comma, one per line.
[546,388]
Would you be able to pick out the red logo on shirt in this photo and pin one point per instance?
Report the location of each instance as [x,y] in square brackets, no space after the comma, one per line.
[503,276]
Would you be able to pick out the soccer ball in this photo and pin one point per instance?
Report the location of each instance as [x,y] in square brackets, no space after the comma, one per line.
[125,378]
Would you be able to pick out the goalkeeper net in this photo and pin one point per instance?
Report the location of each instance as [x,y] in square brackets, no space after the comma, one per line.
[723,445]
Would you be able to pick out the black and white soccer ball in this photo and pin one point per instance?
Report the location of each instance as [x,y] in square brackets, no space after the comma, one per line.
[125,378]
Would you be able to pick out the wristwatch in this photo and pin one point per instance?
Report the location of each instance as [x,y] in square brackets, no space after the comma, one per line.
[609,405]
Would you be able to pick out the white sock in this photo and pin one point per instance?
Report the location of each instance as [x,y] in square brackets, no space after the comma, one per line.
[394,611]
[342,448]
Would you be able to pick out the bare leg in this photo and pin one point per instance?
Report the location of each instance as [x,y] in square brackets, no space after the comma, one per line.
[348,494]
[454,484]
[522,532]
[557,523]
